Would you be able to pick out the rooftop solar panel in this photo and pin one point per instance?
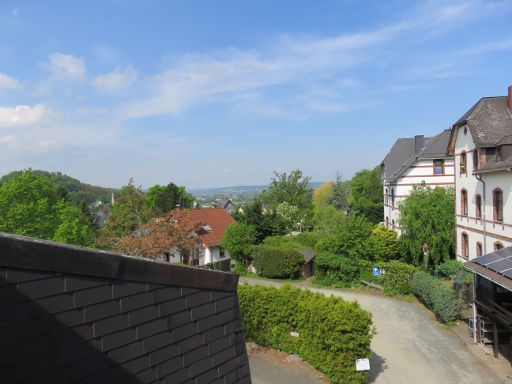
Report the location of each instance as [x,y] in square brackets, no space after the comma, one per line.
[486,259]
[500,265]
[508,274]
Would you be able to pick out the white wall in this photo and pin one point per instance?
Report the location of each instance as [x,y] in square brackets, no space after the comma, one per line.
[483,230]
[422,171]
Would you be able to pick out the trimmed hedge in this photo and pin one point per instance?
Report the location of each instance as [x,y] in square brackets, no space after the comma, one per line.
[332,332]
[272,261]
[441,299]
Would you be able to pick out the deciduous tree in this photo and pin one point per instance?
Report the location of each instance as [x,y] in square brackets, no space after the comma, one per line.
[239,240]
[426,217]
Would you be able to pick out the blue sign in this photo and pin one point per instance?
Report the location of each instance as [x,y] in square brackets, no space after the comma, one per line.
[376,271]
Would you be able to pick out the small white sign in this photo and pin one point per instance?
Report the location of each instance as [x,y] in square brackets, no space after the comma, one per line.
[362,365]
[294,334]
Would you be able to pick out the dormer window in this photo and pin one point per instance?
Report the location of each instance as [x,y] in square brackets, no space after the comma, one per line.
[490,153]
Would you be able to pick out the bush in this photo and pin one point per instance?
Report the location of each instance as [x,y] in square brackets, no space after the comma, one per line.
[441,299]
[349,238]
[332,332]
[301,240]
[384,244]
[272,261]
[336,270]
[448,269]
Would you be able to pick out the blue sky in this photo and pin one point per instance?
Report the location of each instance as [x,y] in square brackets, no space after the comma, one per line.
[216,93]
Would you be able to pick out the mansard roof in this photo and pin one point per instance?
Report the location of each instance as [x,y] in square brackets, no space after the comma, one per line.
[402,155]
[489,121]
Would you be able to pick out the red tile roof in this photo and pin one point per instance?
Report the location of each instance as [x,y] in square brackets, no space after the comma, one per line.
[216,218]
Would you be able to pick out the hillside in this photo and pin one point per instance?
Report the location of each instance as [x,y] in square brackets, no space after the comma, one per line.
[77,191]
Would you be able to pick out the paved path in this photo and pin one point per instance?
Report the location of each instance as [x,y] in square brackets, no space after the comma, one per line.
[410,346]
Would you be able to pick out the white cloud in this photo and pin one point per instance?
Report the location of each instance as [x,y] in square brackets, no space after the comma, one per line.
[8,83]
[8,139]
[118,79]
[24,115]
[65,67]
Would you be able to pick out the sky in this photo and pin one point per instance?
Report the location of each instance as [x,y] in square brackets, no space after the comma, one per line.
[225,92]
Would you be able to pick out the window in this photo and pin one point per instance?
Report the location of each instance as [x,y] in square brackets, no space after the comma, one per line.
[438,167]
[386,202]
[478,203]
[465,245]
[497,202]
[464,202]
[393,223]
[222,254]
[393,197]
[475,159]
[478,249]
[387,222]
[498,246]
[490,153]
[463,162]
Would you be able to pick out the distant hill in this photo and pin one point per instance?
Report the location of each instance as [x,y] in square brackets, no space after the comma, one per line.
[238,189]
[77,191]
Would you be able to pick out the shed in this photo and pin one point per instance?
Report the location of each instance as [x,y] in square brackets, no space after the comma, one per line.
[308,268]
[492,301]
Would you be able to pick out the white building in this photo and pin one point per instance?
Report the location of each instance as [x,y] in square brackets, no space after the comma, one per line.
[414,161]
[481,142]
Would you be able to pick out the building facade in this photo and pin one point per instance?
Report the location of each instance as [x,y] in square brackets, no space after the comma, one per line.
[481,142]
[412,162]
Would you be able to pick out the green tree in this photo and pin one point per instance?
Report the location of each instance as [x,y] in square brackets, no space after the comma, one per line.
[161,199]
[266,222]
[367,196]
[426,217]
[339,194]
[239,240]
[129,211]
[30,205]
[326,219]
[349,238]
[292,188]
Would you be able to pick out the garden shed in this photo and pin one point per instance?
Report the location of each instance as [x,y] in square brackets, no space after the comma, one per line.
[308,268]
[492,309]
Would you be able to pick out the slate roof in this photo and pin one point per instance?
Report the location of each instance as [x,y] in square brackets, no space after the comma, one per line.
[489,121]
[504,162]
[402,155]
[216,218]
[495,266]
[308,254]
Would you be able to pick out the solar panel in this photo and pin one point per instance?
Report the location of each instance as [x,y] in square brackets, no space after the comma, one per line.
[486,259]
[508,274]
[500,265]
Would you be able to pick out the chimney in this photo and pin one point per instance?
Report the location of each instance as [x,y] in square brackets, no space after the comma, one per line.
[419,140]
[510,98]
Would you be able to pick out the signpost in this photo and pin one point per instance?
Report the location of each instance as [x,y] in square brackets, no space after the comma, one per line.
[376,271]
[362,365]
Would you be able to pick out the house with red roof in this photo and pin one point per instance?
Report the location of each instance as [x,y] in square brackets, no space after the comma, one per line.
[207,225]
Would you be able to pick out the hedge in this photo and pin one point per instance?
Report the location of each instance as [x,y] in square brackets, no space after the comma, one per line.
[395,276]
[332,332]
[336,270]
[441,299]
[271,261]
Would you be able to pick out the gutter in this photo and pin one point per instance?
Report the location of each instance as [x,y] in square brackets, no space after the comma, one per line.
[479,177]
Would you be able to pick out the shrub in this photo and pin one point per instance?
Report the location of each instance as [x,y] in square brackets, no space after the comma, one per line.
[448,269]
[349,238]
[272,261]
[332,332]
[238,239]
[301,240]
[441,299]
[333,269]
[384,244]
[395,276]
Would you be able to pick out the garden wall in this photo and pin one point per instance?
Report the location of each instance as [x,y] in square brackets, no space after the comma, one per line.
[74,315]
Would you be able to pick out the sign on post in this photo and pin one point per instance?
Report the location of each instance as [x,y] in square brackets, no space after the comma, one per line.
[362,365]
[376,271]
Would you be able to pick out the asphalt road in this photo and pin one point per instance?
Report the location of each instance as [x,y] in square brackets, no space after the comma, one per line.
[410,346]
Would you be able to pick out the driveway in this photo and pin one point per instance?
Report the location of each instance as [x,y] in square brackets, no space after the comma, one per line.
[410,346]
